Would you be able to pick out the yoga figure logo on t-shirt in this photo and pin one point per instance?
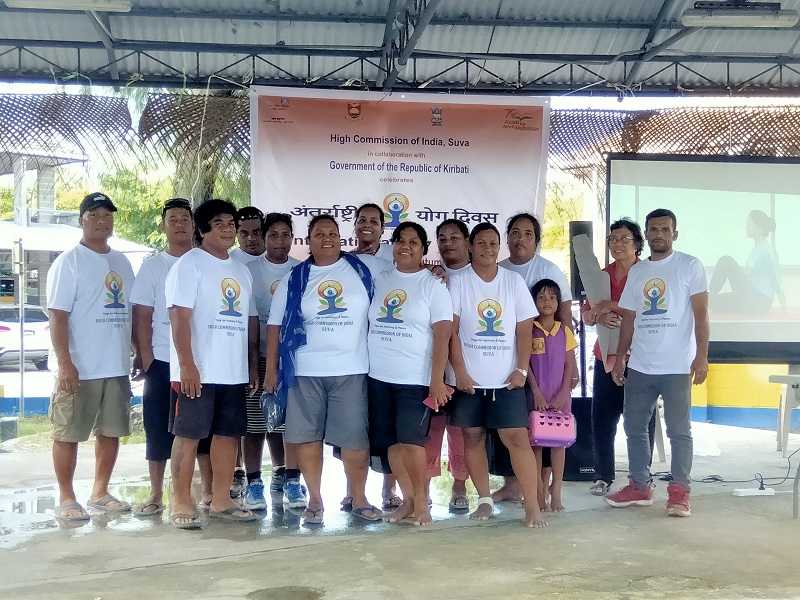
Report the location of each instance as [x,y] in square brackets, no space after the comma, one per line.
[114,287]
[654,292]
[390,311]
[273,286]
[395,209]
[489,323]
[230,296]
[331,299]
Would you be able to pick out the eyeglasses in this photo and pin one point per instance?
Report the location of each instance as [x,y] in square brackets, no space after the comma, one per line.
[625,239]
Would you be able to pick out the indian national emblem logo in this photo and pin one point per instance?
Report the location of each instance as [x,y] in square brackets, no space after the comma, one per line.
[330,297]
[489,322]
[354,110]
[273,286]
[654,292]
[390,311]
[114,294]
[395,209]
[231,290]
[436,119]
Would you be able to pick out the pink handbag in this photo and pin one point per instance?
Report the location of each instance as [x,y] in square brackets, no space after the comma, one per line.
[551,429]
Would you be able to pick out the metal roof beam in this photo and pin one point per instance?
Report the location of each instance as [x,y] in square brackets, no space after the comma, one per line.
[102,26]
[388,38]
[461,21]
[419,27]
[666,5]
[365,52]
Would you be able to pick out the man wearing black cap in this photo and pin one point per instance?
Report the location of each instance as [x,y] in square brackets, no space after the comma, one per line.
[90,327]
[250,235]
[252,246]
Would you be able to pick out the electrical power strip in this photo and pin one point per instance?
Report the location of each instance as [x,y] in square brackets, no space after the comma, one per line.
[754,492]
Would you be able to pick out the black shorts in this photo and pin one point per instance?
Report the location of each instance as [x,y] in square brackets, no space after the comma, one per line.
[155,412]
[499,408]
[219,410]
[397,414]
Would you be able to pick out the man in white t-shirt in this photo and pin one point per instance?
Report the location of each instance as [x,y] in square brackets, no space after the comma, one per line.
[213,355]
[90,328]
[664,309]
[250,235]
[151,340]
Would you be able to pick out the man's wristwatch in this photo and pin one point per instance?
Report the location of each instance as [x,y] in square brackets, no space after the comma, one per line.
[522,372]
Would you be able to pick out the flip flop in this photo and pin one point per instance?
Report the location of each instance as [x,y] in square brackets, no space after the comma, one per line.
[193,524]
[313,517]
[149,509]
[104,505]
[377,515]
[459,503]
[392,502]
[600,488]
[347,504]
[59,513]
[228,515]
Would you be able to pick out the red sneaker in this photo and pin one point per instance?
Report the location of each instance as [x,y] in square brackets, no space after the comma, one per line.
[630,496]
[678,502]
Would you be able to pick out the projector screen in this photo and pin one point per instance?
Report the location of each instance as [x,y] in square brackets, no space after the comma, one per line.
[738,216]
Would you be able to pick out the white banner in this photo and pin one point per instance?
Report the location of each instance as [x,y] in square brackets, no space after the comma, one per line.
[421,157]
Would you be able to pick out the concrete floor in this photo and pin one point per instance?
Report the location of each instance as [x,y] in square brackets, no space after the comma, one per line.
[730,548]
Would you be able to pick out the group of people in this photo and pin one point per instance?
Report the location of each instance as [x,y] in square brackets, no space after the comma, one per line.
[374,352]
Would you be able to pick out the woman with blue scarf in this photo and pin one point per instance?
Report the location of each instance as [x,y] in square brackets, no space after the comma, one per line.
[317,329]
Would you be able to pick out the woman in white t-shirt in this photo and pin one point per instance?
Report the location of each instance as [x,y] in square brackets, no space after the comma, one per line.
[490,350]
[410,320]
[317,326]
[369,230]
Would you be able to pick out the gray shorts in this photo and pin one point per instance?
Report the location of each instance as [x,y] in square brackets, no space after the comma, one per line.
[333,409]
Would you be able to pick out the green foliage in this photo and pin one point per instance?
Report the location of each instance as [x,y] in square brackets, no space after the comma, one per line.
[138,205]
[6,203]
[564,203]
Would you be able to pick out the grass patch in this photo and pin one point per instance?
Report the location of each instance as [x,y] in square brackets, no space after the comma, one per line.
[35,425]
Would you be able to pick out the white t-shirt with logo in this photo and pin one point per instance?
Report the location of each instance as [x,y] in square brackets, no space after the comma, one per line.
[94,289]
[663,330]
[220,294]
[149,291]
[401,316]
[539,268]
[386,252]
[243,257]
[266,277]
[488,317]
[449,373]
[334,308]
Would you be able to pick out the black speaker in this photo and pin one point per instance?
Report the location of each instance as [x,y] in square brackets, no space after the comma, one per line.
[576,228]
[579,463]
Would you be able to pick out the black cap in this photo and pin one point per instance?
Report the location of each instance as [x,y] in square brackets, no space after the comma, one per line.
[97,200]
[249,212]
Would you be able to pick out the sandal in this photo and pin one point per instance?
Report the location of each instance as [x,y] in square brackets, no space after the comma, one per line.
[459,503]
[600,488]
[361,512]
[313,517]
[347,504]
[392,502]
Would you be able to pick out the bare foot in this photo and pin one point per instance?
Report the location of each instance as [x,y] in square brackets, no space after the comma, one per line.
[534,518]
[422,514]
[508,493]
[555,503]
[406,509]
[484,512]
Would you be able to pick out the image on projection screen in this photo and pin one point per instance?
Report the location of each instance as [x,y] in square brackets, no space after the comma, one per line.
[739,217]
